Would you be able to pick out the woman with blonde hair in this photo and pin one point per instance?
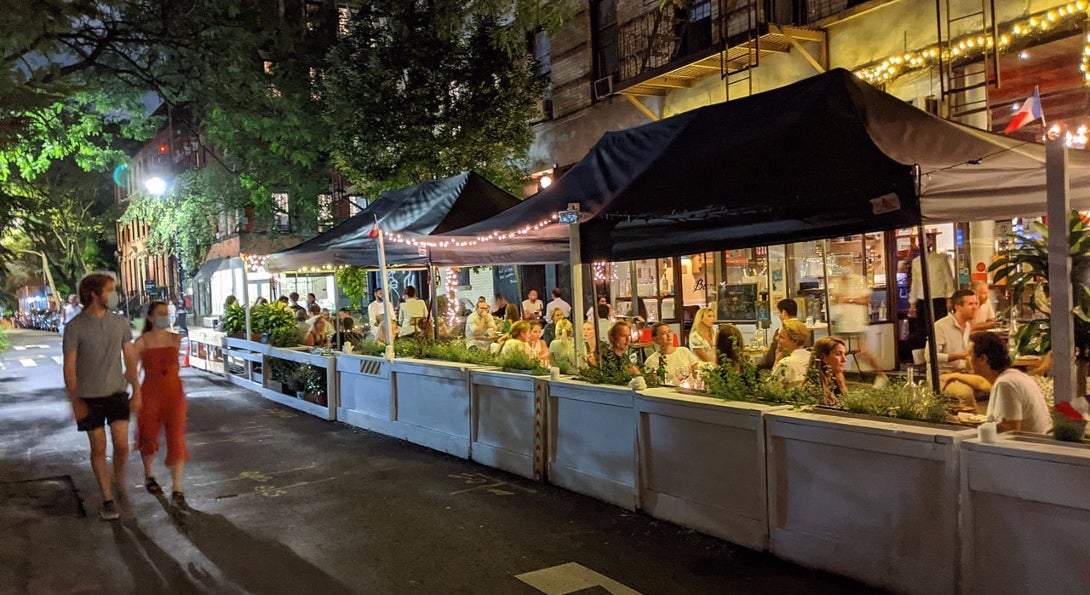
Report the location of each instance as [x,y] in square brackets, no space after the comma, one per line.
[830,355]
[794,360]
[515,340]
[562,347]
[701,337]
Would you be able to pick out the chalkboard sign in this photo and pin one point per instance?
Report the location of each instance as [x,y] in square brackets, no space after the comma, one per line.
[505,282]
[737,302]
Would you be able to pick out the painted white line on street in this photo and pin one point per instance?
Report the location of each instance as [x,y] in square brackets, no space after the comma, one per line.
[19,347]
[569,578]
[27,362]
[59,359]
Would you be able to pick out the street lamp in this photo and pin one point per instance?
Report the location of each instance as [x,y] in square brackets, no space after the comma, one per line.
[155,186]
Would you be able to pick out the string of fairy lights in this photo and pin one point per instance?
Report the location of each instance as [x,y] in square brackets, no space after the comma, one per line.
[969,46]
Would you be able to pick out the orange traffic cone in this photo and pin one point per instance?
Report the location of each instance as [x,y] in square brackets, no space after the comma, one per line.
[185,362]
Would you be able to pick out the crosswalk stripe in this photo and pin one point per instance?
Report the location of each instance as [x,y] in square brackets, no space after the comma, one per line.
[27,362]
[19,347]
[59,359]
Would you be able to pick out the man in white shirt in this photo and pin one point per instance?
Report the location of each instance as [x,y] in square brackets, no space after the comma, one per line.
[952,332]
[376,312]
[531,306]
[481,327]
[412,315]
[1015,402]
[673,364]
[793,366]
[71,310]
[985,314]
[940,273]
[558,302]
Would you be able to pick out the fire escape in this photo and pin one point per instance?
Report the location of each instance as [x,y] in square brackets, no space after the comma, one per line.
[965,83]
[668,49]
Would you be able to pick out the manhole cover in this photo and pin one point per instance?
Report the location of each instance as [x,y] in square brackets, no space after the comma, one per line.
[48,496]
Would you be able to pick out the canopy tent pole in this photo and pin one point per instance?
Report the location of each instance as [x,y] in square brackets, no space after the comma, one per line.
[433,271]
[386,314]
[1059,269]
[576,262]
[245,292]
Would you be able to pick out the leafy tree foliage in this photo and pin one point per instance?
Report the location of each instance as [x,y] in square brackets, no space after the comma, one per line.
[422,90]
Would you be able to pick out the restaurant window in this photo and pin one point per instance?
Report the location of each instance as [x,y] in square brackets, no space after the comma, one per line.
[645,274]
[354,205]
[741,291]
[806,281]
[856,268]
[604,38]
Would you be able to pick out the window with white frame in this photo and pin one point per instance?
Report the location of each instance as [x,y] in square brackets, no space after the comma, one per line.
[281,211]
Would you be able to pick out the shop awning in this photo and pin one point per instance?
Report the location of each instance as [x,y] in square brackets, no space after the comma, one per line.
[205,271]
[429,208]
[827,156]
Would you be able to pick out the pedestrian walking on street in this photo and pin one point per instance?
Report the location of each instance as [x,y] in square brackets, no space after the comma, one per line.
[164,402]
[94,344]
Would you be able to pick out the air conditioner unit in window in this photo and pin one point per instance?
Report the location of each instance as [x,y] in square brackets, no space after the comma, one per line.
[603,87]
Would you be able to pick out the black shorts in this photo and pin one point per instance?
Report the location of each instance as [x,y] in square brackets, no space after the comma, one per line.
[104,410]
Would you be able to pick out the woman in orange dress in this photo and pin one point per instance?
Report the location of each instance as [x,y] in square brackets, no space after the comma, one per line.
[164,401]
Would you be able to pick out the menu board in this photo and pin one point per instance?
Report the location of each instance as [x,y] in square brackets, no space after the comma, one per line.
[737,302]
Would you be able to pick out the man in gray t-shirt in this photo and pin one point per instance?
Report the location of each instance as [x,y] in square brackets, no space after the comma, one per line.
[95,341]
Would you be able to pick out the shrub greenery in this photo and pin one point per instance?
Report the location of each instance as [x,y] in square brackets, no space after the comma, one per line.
[519,361]
[456,351]
[234,319]
[725,382]
[899,400]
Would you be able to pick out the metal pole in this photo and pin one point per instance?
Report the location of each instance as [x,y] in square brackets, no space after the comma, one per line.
[928,309]
[577,291]
[245,293]
[386,313]
[1059,268]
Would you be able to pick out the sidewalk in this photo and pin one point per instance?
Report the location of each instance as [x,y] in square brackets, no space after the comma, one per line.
[287,503]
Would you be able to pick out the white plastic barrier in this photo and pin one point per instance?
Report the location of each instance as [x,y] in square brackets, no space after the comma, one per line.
[508,417]
[431,404]
[365,389]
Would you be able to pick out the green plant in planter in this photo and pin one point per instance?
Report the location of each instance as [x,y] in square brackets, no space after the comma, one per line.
[606,374]
[1068,425]
[234,320]
[1024,268]
[369,347]
[726,382]
[899,400]
[286,337]
[522,362]
[271,318]
[456,351]
[353,283]
[283,371]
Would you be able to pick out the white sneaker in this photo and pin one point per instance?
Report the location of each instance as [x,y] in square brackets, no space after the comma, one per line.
[109,511]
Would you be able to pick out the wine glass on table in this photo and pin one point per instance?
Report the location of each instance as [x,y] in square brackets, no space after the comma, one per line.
[682,374]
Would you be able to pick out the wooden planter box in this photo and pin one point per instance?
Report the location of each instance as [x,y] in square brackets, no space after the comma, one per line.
[592,441]
[508,417]
[1026,523]
[327,364]
[431,404]
[366,393]
[702,464]
[873,500]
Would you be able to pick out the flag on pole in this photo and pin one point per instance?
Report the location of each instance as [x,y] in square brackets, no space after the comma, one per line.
[1030,111]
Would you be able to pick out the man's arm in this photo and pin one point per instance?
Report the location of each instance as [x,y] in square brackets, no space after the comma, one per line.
[1009,425]
[132,374]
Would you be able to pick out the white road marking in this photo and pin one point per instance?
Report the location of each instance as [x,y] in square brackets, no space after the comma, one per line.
[59,359]
[571,577]
[27,362]
[19,347]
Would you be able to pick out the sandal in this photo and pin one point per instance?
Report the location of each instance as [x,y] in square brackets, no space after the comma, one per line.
[152,486]
[178,500]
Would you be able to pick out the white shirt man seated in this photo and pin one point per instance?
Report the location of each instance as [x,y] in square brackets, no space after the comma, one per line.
[678,362]
[952,332]
[1015,402]
[481,327]
[793,359]
[558,302]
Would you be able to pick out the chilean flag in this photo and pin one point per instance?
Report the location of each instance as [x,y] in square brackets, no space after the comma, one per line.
[1030,111]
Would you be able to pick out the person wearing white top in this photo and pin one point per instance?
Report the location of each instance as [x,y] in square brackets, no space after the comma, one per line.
[702,335]
[940,274]
[71,310]
[558,302]
[1015,402]
[952,332]
[985,314]
[793,366]
[412,313]
[376,311]
[532,307]
[678,363]
[481,327]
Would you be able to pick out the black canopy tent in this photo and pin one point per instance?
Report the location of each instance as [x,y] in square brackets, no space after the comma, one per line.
[827,156]
[424,209]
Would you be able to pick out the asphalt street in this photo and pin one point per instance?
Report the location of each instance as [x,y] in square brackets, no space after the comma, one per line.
[287,503]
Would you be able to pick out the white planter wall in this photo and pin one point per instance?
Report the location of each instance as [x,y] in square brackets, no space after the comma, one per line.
[875,501]
[1027,516]
[431,403]
[366,393]
[702,464]
[508,421]
[592,441]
